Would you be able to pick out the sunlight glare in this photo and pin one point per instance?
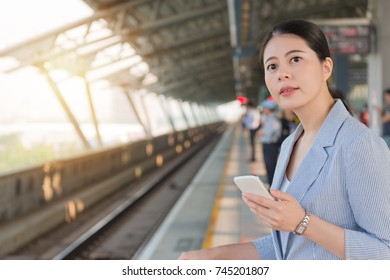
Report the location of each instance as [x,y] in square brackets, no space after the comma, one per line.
[24,19]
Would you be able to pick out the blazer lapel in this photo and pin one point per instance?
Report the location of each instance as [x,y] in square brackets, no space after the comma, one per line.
[307,172]
[316,157]
[280,170]
[314,160]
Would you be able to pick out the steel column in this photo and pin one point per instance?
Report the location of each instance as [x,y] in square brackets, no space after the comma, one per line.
[65,107]
[131,102]
[93,114]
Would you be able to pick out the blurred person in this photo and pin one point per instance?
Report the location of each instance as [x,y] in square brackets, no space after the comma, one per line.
[364,115]
[289,124]
[332,180]
[271,131]
[252,121]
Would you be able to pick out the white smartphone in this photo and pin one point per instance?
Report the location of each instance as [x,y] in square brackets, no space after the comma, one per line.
[252,184]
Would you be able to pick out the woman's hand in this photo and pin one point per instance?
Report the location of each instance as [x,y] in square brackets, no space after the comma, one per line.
[283,215]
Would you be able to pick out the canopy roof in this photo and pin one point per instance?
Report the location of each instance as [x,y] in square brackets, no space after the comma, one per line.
[195,50]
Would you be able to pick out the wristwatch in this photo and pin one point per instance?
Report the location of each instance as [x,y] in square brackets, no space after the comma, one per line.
[303,225]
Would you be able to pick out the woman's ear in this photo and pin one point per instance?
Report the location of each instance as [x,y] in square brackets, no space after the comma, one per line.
[327,66]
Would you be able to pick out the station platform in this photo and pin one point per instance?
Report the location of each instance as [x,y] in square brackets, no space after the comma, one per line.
[211,211]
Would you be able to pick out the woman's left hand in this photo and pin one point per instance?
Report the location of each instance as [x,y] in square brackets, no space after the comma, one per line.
[283,215]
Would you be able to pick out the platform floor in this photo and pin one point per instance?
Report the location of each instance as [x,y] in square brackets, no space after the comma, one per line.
[211,211]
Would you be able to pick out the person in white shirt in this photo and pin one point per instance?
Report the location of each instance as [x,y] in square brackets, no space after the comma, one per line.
[271,131]
[252,123]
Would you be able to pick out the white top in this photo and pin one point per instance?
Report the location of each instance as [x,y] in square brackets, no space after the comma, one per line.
[252,119]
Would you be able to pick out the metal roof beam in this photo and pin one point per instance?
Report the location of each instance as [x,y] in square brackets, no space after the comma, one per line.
[172,71]
[178,18]
[197,80]
[186,41]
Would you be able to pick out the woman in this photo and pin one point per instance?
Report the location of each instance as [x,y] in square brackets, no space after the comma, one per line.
[332,180]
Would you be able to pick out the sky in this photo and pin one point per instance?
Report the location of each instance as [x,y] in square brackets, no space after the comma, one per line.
[25,92]
[25,95]
[23,19]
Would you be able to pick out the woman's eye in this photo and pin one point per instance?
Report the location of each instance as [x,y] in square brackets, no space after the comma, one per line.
[296,59]
[271,67]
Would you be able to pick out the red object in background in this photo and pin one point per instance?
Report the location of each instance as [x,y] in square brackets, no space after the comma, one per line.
[364,117]
[242,99]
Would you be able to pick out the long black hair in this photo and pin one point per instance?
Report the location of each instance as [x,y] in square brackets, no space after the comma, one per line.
[314,38]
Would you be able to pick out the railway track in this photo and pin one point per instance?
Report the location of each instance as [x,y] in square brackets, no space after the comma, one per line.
[119,226]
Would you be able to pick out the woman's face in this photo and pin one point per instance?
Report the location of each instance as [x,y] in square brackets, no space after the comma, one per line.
[293,73]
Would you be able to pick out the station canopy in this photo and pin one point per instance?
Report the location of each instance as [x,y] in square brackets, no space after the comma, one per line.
[193,50]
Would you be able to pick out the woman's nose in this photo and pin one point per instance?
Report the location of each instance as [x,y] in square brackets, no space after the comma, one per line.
[283,74]
[284,77]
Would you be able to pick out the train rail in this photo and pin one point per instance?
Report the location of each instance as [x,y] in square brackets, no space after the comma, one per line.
[120,225]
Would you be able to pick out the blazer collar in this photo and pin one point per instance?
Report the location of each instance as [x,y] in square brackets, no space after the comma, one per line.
[314,160]
[325,138]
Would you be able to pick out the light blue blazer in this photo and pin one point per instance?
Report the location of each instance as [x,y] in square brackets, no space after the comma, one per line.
[345,180]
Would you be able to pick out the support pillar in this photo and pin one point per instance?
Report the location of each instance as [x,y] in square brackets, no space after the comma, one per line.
[131,102]
[165,107]
[378,60]
[184,114]
[65,107]
[93,114]
[341,75]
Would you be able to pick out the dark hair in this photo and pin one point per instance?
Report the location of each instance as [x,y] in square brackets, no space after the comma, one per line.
[387,91]
[307,30]
[314,38]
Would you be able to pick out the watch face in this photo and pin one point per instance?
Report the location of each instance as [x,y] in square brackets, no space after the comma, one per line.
[302,226]
[300,229]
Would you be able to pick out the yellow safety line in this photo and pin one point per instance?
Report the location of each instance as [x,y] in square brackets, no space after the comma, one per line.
[209,235]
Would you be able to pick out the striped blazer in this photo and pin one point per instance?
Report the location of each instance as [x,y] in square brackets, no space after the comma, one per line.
[344,179]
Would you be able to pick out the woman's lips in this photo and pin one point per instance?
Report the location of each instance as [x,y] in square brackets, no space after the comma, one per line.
[287,91]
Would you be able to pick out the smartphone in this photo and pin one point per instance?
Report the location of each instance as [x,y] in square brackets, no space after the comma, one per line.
[252,184]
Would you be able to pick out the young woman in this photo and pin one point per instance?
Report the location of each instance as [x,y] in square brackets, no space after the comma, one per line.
[332,180]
